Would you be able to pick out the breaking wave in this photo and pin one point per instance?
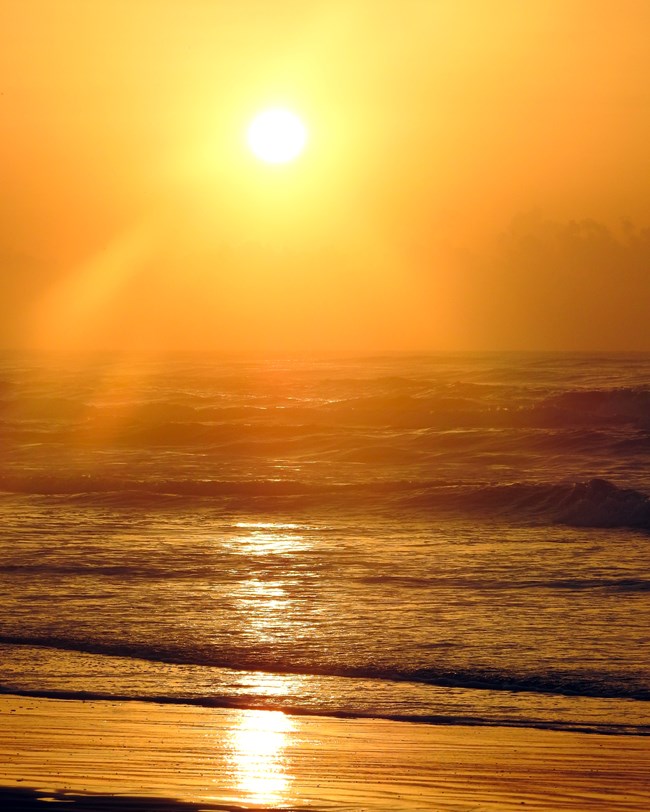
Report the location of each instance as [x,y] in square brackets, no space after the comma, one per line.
[593,503]
[558,683]
[186,418]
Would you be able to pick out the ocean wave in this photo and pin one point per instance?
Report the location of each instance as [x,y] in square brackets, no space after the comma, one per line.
[185,418]
[594,503]
[558,683]
[625,404]
[128,572]
[575,584]
[122,571]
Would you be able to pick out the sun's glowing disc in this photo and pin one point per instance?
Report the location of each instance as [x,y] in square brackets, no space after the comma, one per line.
[276,136]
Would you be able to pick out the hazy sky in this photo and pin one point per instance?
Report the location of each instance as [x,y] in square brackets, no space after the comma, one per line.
[477,175]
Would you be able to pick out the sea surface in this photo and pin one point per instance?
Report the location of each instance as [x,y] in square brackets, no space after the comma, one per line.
[445,538]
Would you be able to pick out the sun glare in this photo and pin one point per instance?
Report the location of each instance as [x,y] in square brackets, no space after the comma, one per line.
[276,136]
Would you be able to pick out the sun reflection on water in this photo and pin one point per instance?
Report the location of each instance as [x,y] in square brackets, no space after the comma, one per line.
[262,684]
[268,525]
[258,756]
[271,585]
[269,538]
[266,602]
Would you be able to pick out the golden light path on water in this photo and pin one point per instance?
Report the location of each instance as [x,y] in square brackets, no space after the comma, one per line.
[268,599]
[267,538]
[257,756]
[256,748]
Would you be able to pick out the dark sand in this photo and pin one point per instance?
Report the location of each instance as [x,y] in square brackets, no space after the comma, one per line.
[57,754]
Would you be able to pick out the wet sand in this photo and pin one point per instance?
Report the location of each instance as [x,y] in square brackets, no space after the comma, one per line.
[145,756]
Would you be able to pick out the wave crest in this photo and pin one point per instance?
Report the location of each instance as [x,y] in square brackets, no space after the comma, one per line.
[560,683]
[593,503]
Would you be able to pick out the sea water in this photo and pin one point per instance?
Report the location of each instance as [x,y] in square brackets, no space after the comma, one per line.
[444,538]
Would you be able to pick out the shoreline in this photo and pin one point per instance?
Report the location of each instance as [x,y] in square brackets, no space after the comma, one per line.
[438,720]
[117,755]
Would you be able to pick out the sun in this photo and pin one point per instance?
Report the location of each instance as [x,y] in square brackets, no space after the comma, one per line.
[276,136]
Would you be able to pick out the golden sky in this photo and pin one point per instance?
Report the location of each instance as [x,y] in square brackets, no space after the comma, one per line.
[476,176]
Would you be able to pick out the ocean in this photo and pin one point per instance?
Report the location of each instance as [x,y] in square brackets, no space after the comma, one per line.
[457,538]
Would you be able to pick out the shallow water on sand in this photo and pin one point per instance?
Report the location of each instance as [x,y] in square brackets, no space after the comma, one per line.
[133,756]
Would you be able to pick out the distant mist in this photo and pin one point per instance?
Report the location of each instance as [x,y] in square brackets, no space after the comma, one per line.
[575,284]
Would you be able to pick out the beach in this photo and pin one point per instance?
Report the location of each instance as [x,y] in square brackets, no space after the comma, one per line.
[136,755]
